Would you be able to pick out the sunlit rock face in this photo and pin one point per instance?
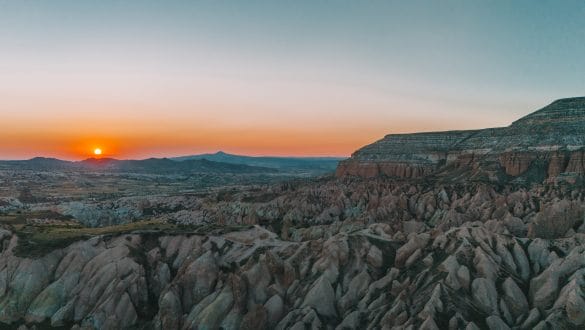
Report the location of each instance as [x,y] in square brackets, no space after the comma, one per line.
[546,144]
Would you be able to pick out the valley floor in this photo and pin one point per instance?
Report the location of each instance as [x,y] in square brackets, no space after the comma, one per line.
[321,253]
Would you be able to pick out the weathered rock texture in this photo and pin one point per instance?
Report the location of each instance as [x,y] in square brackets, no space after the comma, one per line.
[465,277]
[334,253]
[548,143]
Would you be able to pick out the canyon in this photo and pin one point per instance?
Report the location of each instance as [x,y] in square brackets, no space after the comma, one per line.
[452,230]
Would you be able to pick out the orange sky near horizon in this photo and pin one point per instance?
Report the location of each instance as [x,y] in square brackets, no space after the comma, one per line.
[139,118]
[71,128]
[77,140]
[142,79]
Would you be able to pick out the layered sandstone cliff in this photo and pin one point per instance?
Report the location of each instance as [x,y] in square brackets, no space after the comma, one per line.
[548,143]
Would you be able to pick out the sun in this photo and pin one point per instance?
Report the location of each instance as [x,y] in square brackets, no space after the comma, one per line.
[97,151]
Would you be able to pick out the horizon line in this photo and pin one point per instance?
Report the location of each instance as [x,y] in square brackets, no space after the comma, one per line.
[180,156]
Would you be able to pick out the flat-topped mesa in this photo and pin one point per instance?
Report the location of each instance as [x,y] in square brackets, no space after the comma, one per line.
[568,112]
[547,143]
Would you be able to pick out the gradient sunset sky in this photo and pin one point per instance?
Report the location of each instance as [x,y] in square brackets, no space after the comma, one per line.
[164,78]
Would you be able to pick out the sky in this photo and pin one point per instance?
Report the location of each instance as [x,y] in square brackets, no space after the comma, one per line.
[147,78]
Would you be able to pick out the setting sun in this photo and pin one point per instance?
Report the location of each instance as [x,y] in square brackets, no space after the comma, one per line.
[97,151]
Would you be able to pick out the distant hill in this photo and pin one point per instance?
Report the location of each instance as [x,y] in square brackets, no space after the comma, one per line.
[151,165]
[209,163]
[289,164]
[37,164]
[165,165]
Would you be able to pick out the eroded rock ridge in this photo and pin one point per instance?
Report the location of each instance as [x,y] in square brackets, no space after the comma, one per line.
[548,144]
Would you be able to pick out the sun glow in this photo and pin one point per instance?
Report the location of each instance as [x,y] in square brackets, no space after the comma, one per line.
[97,151]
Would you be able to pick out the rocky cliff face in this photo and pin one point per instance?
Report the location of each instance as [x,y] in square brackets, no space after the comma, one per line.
[546,144]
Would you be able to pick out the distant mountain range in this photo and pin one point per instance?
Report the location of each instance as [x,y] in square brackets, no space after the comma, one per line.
[319,164]
[151,165]
[208,163]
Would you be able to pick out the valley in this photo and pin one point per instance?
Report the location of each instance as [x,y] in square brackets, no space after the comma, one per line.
[453,230]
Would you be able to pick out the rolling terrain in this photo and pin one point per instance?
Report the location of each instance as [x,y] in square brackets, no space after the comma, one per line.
[151,165]
[312,165]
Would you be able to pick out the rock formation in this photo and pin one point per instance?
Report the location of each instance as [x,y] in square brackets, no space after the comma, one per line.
[546,144]
[467,277]
[447,236]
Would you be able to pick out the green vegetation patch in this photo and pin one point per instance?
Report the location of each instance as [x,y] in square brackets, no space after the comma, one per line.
[39,240]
